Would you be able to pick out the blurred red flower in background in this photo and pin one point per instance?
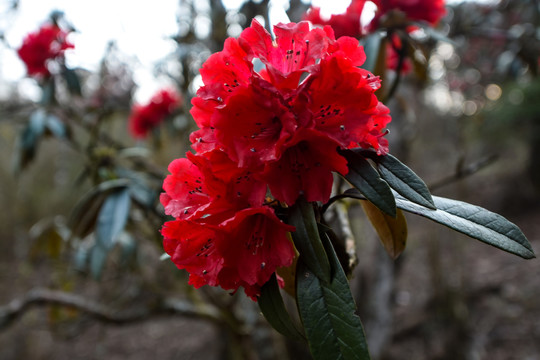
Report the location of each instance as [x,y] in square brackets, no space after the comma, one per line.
[348,23]
[46,44]
[144,118]
[430,11]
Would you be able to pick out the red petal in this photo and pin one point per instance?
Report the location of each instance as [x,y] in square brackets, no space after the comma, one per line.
[252,126]
[257,245]
[305,168]
[192,247]
[185,190]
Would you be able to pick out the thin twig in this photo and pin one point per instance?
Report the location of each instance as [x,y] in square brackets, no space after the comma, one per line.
[463,172]
[349,193]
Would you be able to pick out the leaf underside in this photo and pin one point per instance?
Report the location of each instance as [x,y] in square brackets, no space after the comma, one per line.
[474,221]
[392,231]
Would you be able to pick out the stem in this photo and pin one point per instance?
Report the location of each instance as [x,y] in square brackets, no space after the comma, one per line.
[350,193]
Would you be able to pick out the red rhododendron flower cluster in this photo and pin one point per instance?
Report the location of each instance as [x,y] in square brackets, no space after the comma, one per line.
[46,44]
[272,115]
[144,118]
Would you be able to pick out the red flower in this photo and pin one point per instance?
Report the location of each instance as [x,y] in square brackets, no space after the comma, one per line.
[392,56]
[343,104]
[258,119]
[272,114]
[144,118]
[223,234]
[257,245]
[192,246]
[430,11]
[305,167]
[46,44]
[346,24]
[242,251]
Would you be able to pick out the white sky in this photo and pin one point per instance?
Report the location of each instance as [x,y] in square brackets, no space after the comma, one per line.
[140,29]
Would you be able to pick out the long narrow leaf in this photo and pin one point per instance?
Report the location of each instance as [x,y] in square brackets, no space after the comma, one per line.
[402,179]
[272,306]
[474,221]
[83,217]
[368,181]
[307,241]
[112,217]
[332,328]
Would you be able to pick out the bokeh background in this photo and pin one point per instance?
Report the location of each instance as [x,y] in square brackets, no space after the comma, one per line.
[466,118]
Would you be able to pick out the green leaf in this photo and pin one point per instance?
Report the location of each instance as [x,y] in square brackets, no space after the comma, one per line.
[392,231]
[327,311]
[272,306]
[56,126]
[306,239]
[112,217]
[84,215]
[368,181]
[29,139]
[474,221]
[401,178]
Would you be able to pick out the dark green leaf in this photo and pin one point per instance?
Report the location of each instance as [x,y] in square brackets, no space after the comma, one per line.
[29,139]
[327,311]
[112,217]
[306,239]
[273,309]
[367,180]
[402,179]
[84,216]
[474,221]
